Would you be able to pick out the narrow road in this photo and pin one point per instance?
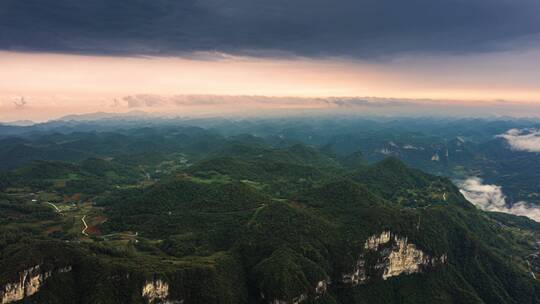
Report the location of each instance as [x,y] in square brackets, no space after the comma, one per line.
[85,226]
[56,208]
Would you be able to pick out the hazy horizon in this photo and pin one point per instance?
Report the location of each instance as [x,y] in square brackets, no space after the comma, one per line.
[23,108]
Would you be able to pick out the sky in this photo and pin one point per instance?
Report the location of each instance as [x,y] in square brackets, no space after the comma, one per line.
[470,57]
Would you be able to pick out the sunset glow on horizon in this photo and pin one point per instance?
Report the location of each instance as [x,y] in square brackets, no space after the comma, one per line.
[57,84]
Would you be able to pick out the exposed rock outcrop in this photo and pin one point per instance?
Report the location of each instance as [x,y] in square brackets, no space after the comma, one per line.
[373,242]
[156,291]
[394,256]
[321,288]
[30,281]
[406,258]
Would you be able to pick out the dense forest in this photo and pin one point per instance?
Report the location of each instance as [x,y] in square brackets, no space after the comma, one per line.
[268,211]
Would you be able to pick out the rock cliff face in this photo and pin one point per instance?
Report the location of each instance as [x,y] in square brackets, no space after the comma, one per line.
[321,288]
[156,291]
[30,281]
[385,255]
[394,256]
[374,241]
[406,258]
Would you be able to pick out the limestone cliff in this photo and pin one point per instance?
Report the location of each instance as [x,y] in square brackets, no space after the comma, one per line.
[406,258]
[30,281]
[156,291]
[373,242]
[394,256]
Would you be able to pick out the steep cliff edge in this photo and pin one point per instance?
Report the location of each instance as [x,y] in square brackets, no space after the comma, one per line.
[30,282]
[388,255]
[155,291]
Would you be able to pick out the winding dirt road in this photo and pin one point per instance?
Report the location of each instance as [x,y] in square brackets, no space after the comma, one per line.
[85,226]
[54,206]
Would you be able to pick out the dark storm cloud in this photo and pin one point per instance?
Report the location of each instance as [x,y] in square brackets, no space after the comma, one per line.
[358,28]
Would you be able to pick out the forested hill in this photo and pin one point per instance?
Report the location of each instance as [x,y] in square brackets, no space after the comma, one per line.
[190,216]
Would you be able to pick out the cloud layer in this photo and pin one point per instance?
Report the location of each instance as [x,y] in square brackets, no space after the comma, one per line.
[523,140]
[492,198]
[358,28]
[158,101]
